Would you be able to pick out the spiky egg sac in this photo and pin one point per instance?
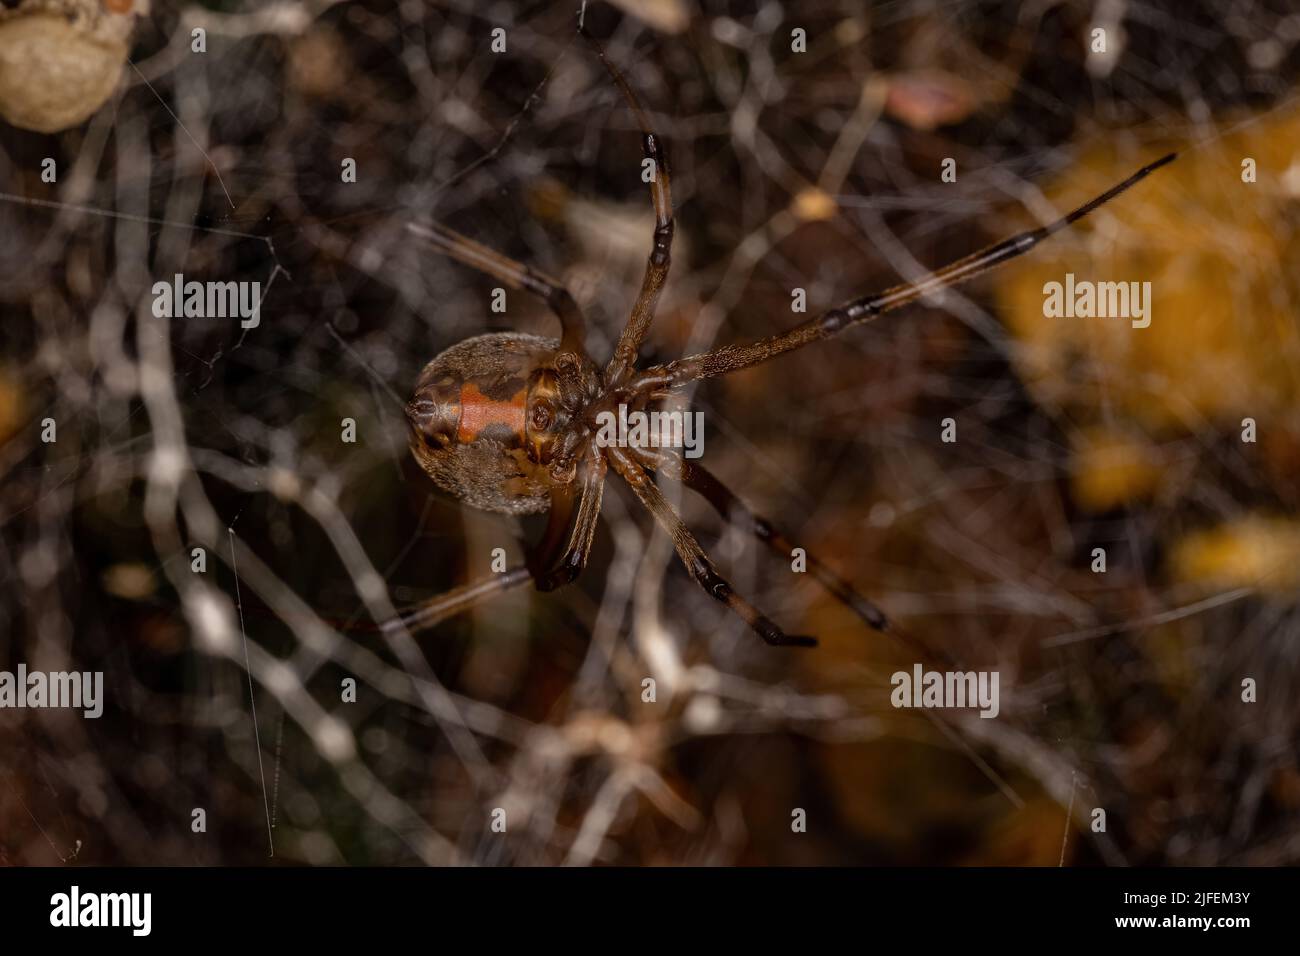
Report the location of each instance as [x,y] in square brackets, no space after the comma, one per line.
[56,71]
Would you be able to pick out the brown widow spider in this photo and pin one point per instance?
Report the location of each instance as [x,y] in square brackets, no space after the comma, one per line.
[506,422]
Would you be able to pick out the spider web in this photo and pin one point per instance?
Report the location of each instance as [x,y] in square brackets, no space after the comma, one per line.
[811,170]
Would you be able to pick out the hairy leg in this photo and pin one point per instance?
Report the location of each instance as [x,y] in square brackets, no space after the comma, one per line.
[656,270]
[702,481]
[456,601]
[575,510]
[516,275]
[732,358]
[692,555]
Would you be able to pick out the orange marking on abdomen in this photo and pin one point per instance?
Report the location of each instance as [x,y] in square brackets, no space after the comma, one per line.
[478,412]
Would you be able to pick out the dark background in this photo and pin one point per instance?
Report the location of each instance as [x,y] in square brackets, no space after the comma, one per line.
[816,170]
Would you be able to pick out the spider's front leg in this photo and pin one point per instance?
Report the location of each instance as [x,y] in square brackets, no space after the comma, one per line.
[733,358]
[692,555]
[623,362]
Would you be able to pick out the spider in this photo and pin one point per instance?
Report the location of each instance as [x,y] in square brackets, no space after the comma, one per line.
[507,422]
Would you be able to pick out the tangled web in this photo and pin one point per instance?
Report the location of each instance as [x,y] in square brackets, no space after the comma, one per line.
[203,533]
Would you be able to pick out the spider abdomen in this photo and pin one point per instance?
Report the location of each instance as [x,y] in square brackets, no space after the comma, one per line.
[482,415]
[469,422]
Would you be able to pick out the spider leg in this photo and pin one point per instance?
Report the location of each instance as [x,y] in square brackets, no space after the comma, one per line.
[656,269]
[546,570]
[702,481]
[570,527]
[456,601]
[692,555]
[732,358]
[517,275]
[558,522]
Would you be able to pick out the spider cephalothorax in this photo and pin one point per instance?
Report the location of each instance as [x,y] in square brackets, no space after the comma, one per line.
[508,422]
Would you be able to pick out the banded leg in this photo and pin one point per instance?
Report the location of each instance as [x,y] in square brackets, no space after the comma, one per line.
[693,556]
[575,510]
[517,275]
[702,481]
[456,601]
[546,570]
[656,269]
[732,358]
